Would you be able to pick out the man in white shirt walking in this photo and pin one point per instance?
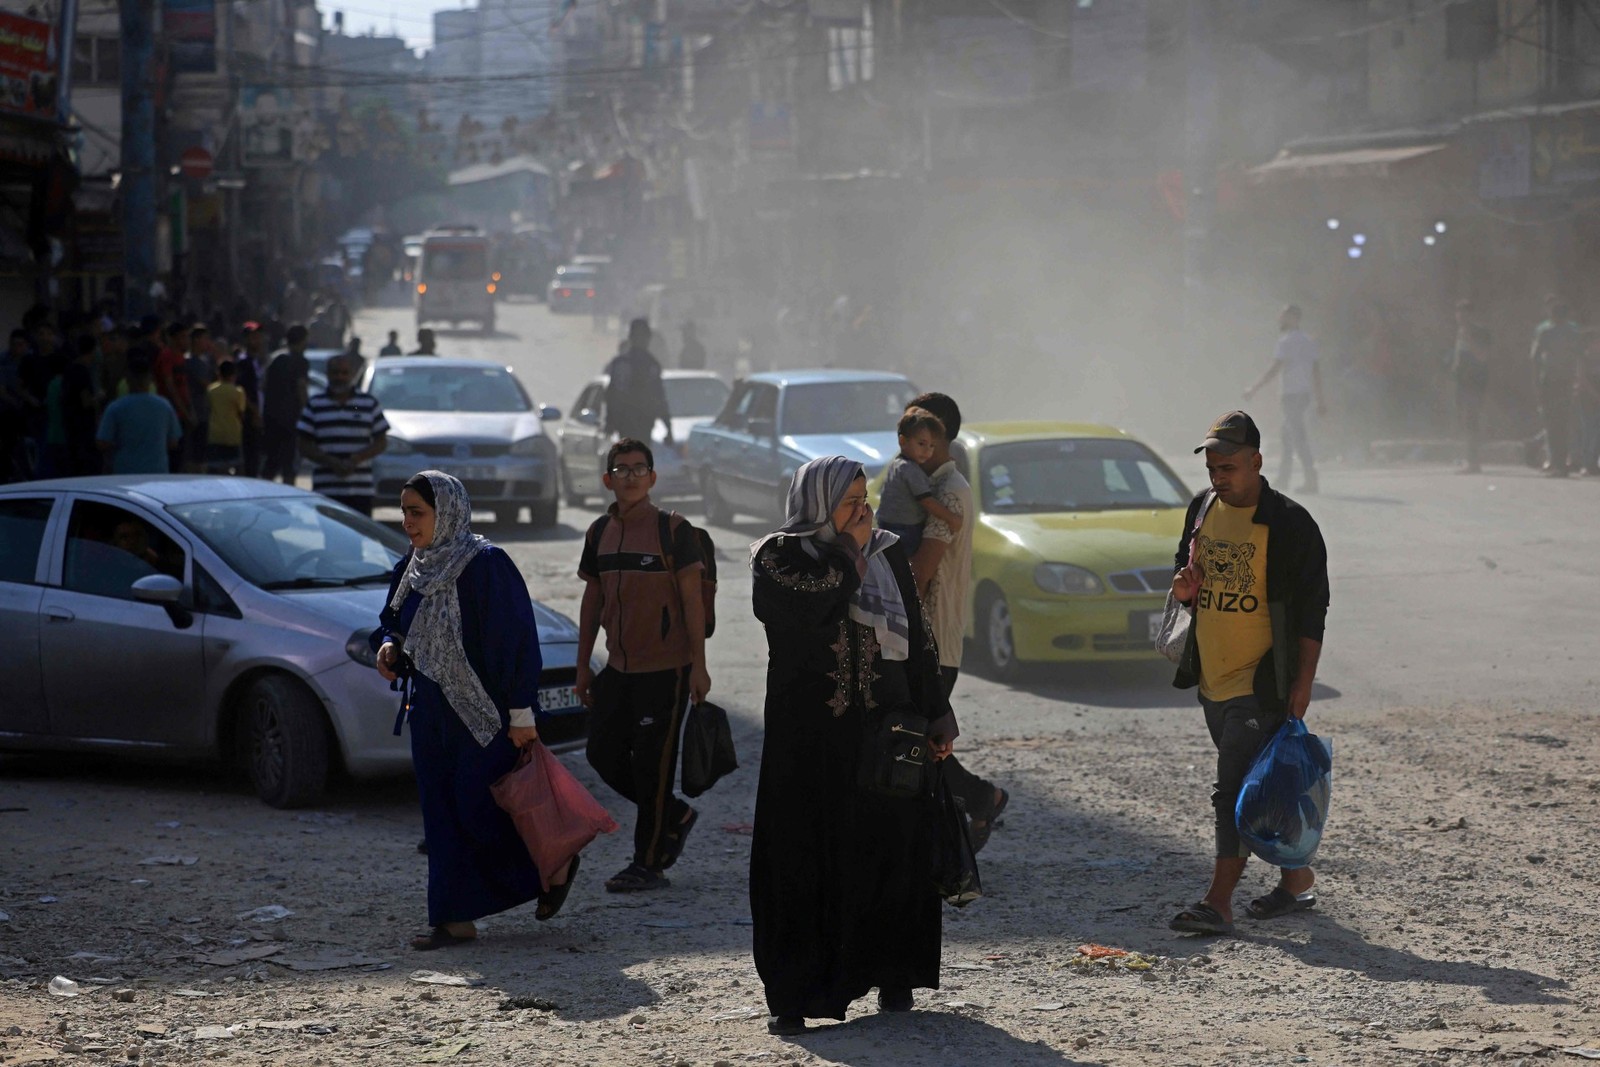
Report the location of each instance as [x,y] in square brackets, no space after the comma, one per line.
[1296,360]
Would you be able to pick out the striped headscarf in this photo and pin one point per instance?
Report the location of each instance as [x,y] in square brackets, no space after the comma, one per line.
[434,642]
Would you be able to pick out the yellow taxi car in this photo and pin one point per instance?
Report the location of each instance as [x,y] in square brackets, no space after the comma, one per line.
[1072,552]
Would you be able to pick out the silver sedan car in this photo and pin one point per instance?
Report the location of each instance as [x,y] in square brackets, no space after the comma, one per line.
[216,618]
[473,419]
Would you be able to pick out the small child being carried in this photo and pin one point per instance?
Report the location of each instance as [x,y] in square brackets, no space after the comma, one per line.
[907,499]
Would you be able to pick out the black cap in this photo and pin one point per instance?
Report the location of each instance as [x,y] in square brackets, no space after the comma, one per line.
[1231,432]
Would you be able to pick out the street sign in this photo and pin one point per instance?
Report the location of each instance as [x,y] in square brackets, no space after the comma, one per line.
[196,163]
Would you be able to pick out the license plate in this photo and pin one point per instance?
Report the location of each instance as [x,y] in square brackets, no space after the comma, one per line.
[559,698]
[1153,622]
[485,474]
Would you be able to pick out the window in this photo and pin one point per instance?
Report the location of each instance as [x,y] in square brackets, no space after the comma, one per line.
[22,525]
[481,389]
[109,548]
[845,407]
[295,543]
[694,397]
[97,61]
[591,400]
[850,51]
[1075,475]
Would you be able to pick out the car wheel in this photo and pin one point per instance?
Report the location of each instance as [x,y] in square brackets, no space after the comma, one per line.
[285,740]
[574,498]
[542,513]
[997,644]
[718,513]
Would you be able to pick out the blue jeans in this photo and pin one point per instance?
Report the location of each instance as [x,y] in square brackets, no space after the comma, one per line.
[910,534]
[1295,440]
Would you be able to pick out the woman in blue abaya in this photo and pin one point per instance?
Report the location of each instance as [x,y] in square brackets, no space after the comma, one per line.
[459,631]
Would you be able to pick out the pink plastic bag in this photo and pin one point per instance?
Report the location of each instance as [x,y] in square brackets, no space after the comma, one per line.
[554,814]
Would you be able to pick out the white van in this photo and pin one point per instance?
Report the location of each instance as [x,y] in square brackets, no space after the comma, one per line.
[453,282]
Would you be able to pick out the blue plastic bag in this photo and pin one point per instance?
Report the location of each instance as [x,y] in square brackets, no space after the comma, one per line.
[1284,801]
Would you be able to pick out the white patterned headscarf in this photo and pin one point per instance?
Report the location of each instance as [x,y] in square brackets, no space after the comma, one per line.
[817,489]
[434,642]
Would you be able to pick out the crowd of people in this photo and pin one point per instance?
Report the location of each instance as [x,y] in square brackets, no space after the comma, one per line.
[176,396]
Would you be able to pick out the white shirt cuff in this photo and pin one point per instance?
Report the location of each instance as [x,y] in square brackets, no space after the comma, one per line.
[522,717]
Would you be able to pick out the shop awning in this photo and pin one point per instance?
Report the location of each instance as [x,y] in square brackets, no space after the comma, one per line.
[1352,163]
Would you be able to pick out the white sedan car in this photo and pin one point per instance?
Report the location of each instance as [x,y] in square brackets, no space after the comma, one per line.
[471,418]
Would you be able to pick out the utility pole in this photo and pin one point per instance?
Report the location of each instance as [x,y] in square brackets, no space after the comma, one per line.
[137,186]
[1199,167]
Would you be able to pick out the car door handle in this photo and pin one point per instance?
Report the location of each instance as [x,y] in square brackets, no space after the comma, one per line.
[59,614]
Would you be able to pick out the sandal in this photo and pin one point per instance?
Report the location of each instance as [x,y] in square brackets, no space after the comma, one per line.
[1281,902]
[551,899]
[1200,918]
[681,838]
[439,937]
[636,879]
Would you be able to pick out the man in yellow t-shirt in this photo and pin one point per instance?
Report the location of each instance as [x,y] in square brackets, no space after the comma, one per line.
[227,406]
[1253,566]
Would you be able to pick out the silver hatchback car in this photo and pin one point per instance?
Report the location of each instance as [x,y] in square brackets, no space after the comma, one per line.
[213,617]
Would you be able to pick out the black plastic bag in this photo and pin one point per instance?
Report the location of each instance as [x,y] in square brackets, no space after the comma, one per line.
[707,748]
[955,862]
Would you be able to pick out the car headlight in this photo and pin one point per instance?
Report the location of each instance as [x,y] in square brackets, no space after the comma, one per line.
[529,446]
[398,446]
[359,650]
[1065,578]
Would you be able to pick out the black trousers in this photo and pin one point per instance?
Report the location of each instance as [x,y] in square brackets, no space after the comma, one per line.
[975,793]
[279,453]
[1239,729]
[633,743]
[252,450]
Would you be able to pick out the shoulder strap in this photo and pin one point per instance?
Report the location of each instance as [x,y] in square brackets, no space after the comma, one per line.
[664,532]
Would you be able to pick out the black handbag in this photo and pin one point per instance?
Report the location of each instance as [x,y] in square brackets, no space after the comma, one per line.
[955,862]
[707,748]
[895,755]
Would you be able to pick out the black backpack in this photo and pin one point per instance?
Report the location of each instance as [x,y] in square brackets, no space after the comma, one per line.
[708,553]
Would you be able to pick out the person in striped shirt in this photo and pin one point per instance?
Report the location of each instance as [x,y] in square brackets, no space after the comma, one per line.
[340,431]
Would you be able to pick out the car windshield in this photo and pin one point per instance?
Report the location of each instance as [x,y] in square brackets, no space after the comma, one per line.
[481,389]
[845,407]
[465,263]
[576,275]
[695,397]
[1075,474]
[295,542]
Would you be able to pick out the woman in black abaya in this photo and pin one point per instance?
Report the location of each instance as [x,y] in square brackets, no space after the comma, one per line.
[841,879]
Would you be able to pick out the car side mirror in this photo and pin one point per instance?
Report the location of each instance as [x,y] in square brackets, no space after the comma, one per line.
[167,591]
[158,589]
[547,413]
[764,428]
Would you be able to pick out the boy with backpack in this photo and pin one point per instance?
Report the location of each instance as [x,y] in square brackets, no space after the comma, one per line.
[645,584]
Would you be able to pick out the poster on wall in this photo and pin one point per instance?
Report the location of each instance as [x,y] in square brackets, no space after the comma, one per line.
[267,121]
[190,29]
[27,67]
